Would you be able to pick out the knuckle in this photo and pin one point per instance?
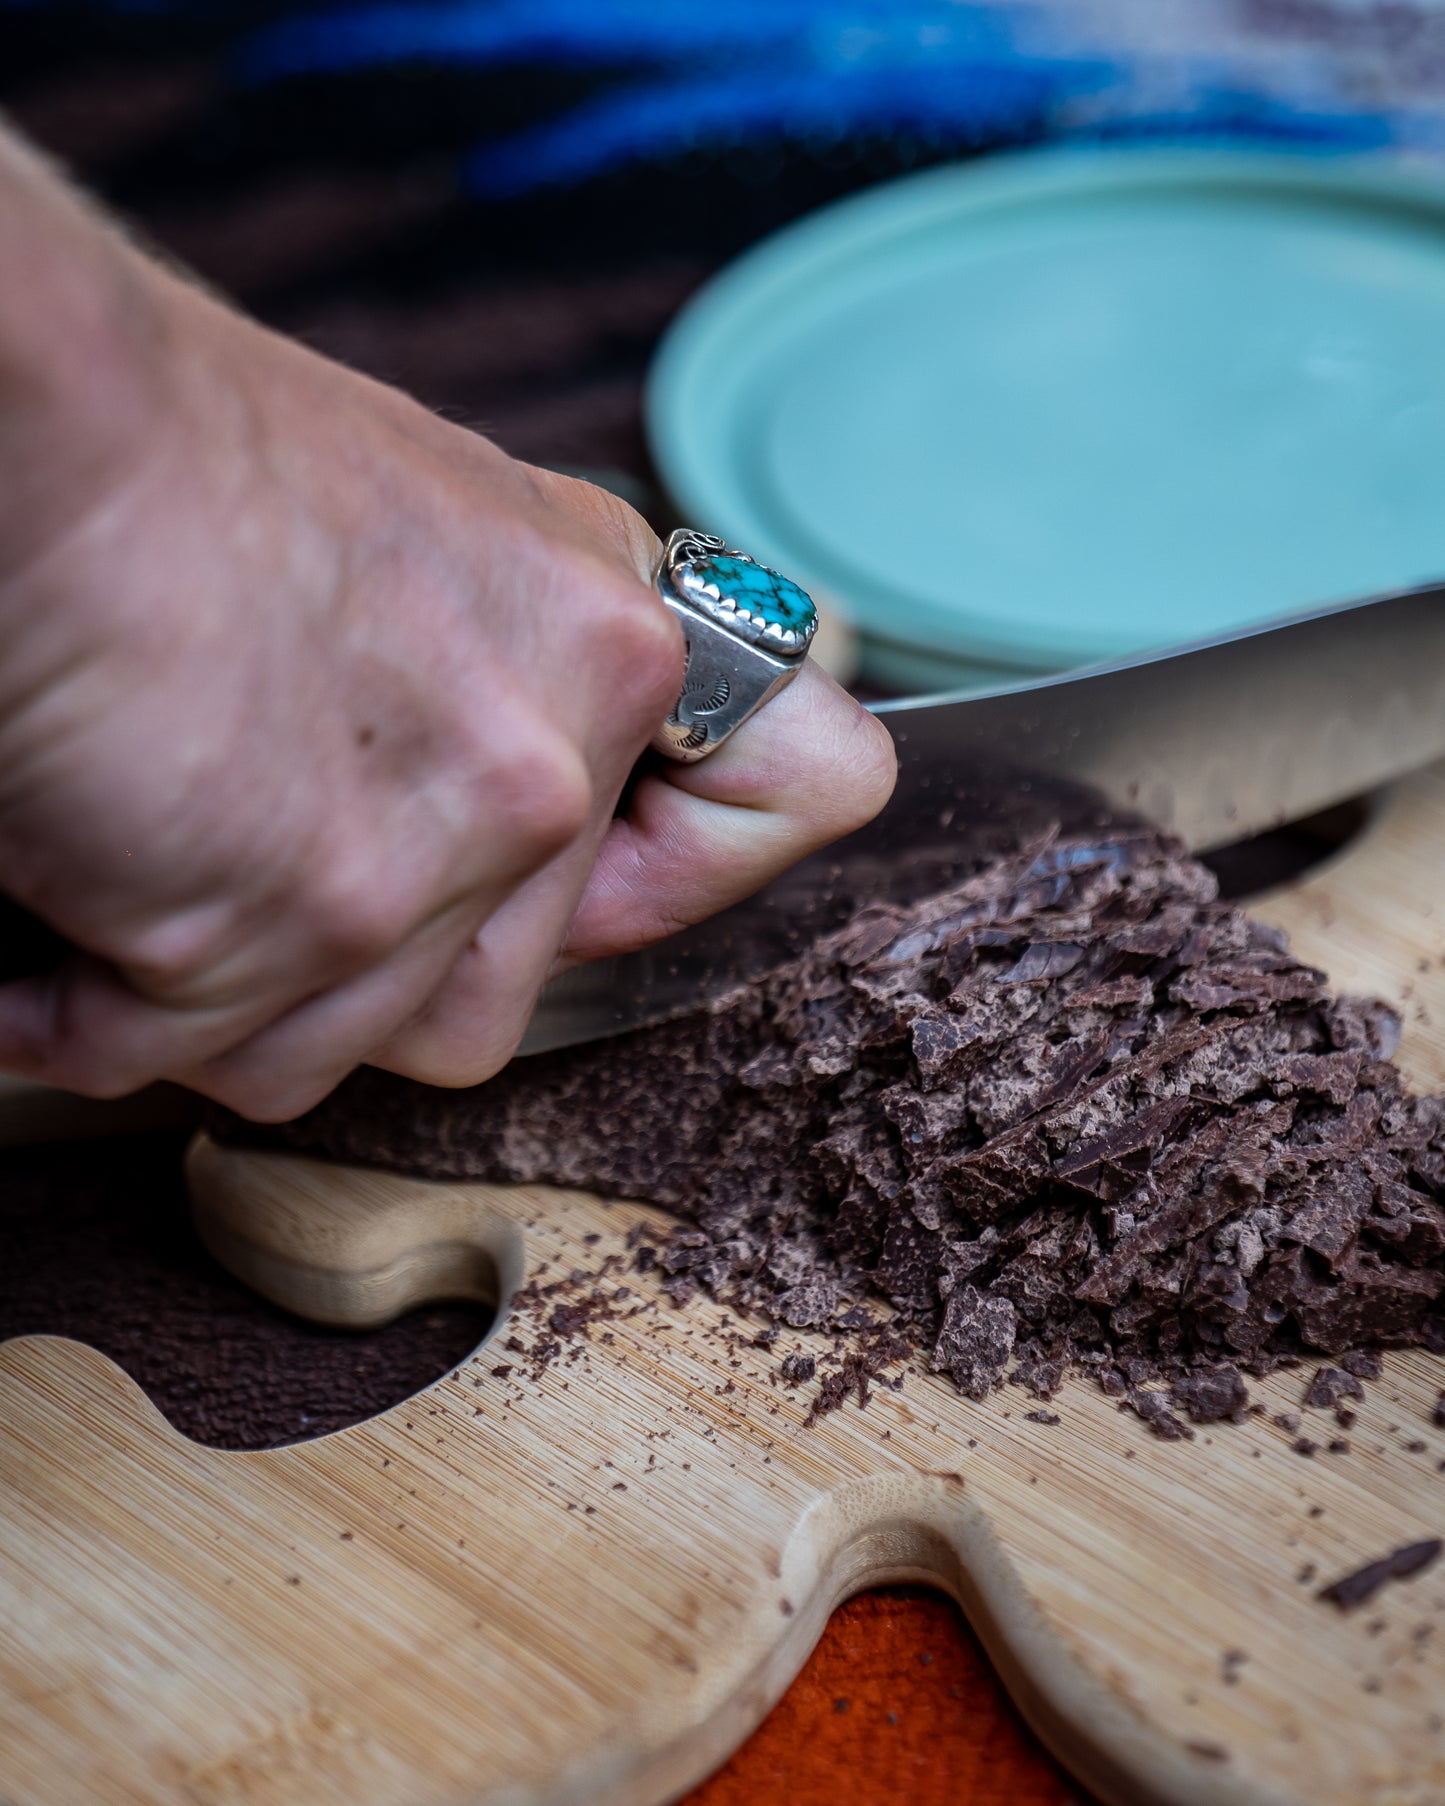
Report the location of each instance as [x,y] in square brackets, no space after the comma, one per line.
[456,1073]
[540,800]
[453,1063]
[263,1098]
[654,646]
[172,961]
[644,647]
[605,515]
[355,919]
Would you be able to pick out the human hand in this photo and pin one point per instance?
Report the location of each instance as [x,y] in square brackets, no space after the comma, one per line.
[314,713]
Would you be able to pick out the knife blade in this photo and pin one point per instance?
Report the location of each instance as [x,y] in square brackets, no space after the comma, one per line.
[1217,741]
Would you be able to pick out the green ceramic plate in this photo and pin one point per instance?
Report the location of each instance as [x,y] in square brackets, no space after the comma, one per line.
[1056,408]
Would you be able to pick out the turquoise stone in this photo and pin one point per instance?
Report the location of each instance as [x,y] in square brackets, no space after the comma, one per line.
[759,604]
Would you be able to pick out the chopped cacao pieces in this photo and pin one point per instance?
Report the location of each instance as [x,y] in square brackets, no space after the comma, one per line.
[1212,1394]
[1329,1386]
[1153,1407]
[1071,1113]
[975,1338]
[1354,1589]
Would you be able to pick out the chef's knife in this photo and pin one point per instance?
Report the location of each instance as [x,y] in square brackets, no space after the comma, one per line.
[1217,741]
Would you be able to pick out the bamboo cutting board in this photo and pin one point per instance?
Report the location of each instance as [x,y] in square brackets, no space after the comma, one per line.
[587,1583]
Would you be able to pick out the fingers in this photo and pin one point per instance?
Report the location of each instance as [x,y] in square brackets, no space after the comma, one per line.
[85,1029]
[811,766]
[605,517]
[304,708]
[446,1011]
[265,1002]
[472,1025]
[373,922]
[292,1063]
[448,1007]
[446,997]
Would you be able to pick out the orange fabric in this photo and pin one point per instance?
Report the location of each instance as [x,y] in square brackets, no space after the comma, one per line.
[897,1706]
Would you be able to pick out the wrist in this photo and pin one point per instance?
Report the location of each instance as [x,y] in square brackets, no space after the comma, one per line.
[82,335]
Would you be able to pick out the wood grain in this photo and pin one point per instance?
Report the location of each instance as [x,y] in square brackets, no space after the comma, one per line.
[589,1585]
[1374,918]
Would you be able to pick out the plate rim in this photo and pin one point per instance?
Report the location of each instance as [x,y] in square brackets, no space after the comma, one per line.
[797,255]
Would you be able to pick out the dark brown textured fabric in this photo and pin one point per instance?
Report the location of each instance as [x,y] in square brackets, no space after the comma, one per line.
[96,1243]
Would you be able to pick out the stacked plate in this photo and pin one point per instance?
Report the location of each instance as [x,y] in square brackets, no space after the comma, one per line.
[1055,409]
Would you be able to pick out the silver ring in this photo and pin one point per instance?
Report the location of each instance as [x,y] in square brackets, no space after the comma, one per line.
[747,629]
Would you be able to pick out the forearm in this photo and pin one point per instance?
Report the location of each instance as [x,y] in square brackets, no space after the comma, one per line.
[82,352]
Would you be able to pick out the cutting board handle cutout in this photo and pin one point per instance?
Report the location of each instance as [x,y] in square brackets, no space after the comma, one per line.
[350,1258]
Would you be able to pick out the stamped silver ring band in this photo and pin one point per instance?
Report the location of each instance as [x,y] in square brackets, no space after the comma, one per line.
[747,628]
